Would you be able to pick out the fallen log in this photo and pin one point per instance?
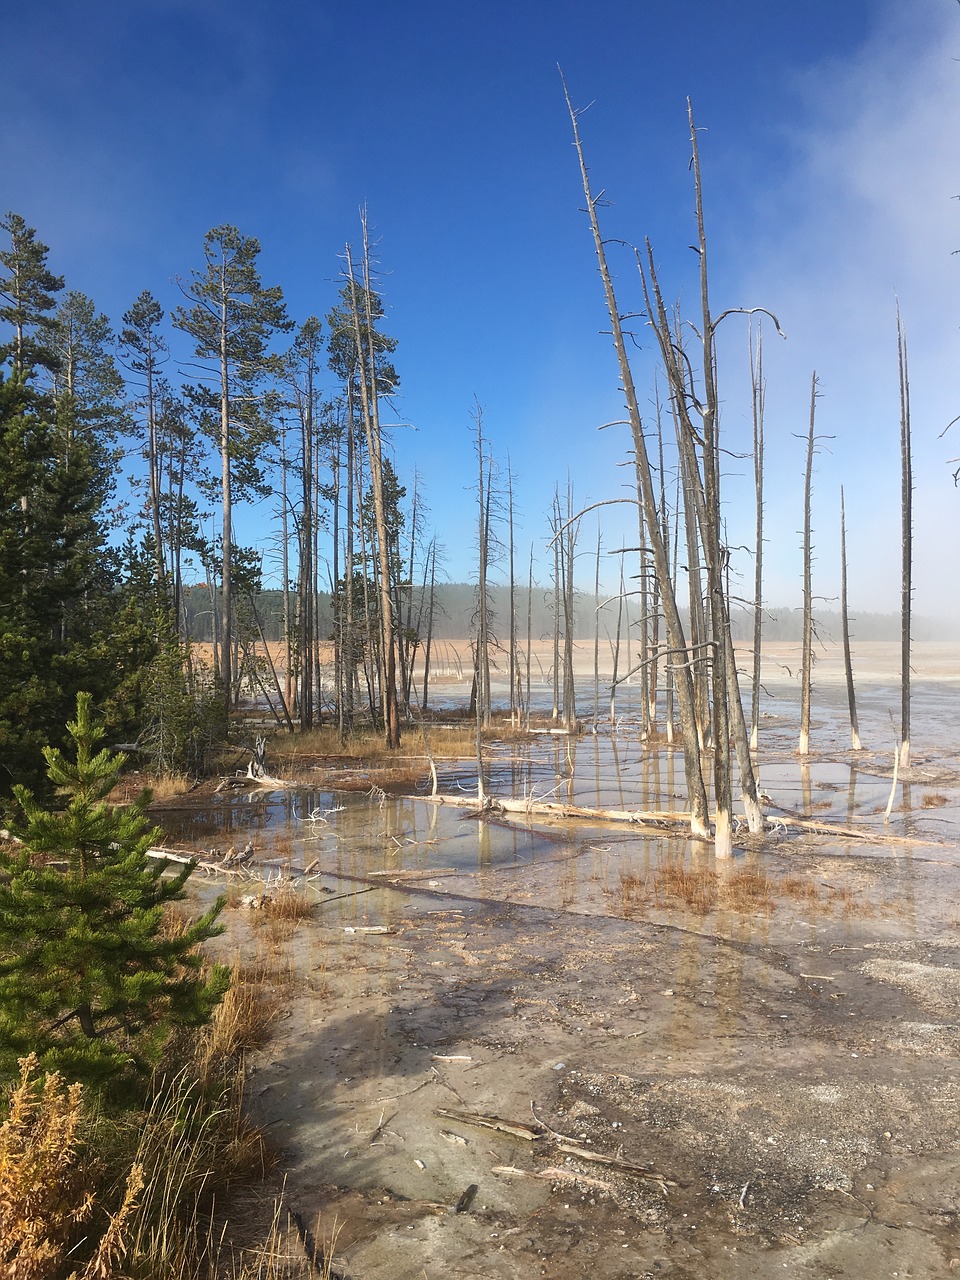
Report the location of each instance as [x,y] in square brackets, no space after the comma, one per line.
[664,820]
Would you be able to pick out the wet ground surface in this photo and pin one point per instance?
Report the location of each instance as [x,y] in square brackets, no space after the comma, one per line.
[618,1057]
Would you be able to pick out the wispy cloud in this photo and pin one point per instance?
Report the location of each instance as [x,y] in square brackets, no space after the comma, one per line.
[863,214]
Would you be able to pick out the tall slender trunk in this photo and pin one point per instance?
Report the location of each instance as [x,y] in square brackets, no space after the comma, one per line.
[556,607]
[845,626]
[370,398]
[906,514]
[529,633]
[616,651]
[306,599]
[226,604]
[696,792]
[153,467]
[428,645]
[512,660]
[349,616]
[806,657]
[758,393]
[596,634]
[289,678]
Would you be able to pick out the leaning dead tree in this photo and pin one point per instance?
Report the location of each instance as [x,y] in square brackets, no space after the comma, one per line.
[845,627]
[906,504]
[647,498]
[699,448]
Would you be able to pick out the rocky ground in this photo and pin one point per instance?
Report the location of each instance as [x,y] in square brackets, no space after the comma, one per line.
[589,1052]
[741,1093]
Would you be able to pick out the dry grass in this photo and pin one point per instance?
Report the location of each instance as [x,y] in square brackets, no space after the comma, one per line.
[290,904]
[702,891]
[168,785]
[934,800]
[449,739]
[243,1018]
[43,1197]
[93,1195]
[289,1252]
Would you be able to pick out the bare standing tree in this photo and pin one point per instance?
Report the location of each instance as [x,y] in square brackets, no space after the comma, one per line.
[845,626]
[596,633]
[512,659]
[906,506]
[568,545]
[702,488]
[646,494]
[806,654]
[758,393]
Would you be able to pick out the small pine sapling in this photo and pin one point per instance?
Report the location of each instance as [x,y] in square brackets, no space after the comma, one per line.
[94,976]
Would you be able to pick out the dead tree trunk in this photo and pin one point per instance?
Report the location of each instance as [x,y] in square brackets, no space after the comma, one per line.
[512,660]
[696,791]
[556,524]
[569,684]
[370,398]
[428,643]
[758,394]
[906,507]
[596,634]
[529,635]
[806,656]
[845,626]
[616,652]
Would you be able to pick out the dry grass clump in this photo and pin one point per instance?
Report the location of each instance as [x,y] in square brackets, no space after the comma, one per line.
[242,1020]
[703,890]
[42,1194]
[449,739]
[89,1194]
[934,800]
[290,904]
[45,1192]
[167,786]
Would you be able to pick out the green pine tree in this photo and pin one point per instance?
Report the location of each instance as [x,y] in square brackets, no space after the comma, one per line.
[27,289]
[94,975]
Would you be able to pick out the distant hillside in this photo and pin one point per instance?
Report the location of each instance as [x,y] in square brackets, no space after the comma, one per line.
[455,617]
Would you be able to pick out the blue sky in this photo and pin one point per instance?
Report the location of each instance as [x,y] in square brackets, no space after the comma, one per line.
[830,164]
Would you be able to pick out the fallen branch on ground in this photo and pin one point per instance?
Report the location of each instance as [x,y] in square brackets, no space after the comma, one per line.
[665,820]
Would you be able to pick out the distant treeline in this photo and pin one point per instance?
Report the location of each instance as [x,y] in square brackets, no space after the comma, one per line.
[455,617]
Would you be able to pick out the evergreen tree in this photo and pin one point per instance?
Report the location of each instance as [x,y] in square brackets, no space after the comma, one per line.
[28,687]
[232,320]
[144,351]
[26,295]
[94,977]
[87,385]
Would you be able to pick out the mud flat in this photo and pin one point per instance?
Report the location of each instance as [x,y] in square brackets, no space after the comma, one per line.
[519,1050]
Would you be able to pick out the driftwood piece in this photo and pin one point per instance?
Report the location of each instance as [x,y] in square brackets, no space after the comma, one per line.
[467,1199]
[536,1133]
[514,1128]
[611,1162]
[554,1175]
[787,819]
[412,873]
